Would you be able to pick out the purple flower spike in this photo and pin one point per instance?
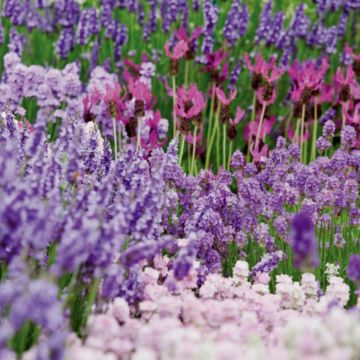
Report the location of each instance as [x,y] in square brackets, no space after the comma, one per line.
[303,240]
[353,269]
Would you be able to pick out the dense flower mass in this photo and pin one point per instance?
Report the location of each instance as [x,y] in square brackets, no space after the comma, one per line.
[179,180]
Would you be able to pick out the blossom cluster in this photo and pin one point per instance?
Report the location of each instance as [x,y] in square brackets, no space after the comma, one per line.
[179,180]
[228,316]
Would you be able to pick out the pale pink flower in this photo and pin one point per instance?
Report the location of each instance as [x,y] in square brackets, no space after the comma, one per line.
[179,50]
[189,103]
[222,97]
[140,91]
[252,128]
[307,79]
[182,35]
[240,113]
[259,155]
[263,98]
[190,137]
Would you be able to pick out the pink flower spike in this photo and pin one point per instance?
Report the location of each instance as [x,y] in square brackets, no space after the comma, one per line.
[214,60]
[238,116]
[189,138]
[189,103]
[326,94]
[272,74]
[291,134]
[182,35]
[222,98]
[260,97]
[112,96]
[140,91]
[341,80]
[252,128]
[266,126]
[348,50]
[135,67]
[307,77]
[259,63]
[259,155]
[355,118]
[155,120]
[180,50]
[168,88]
[196,33]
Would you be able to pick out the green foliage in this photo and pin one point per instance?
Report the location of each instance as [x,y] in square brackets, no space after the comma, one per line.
[25,338]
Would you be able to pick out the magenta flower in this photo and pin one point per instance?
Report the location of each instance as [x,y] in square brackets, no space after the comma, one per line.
[213,63]
[154,133]
[346,86]
[88,101]
[132,66]
[231,132]
[222,98]
[189,103]
[113,100]
[257,154]
[353,119]
[266,95]
[307,79]
[182,35]
[355,57]
[251,129]
[179,50]
[214,60]
[140,91]
[261,66]
[305,137]
[240,113]
[263,70]
[189,138]
[326,94]
[142,95]
[271,73]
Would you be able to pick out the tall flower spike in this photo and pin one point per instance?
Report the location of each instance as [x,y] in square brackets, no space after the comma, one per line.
[225,102]
[189,105]
[303,240]
[307,79]
[346,86]
[189,40]
[353,269]
[179,51]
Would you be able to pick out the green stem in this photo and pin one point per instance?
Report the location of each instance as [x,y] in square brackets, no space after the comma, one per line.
[251,122]
[187,63]
[343,120]
[212,138]
[218,138]
[119,139]
[138,142]
[230,153]
[297,131]
[182,146]
[115,138]
[224,146]
[174,105]
[313,144]
[193,151]
[259,127]
[211,109]
[302,132]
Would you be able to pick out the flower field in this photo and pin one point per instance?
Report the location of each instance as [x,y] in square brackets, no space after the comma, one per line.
[179,180]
